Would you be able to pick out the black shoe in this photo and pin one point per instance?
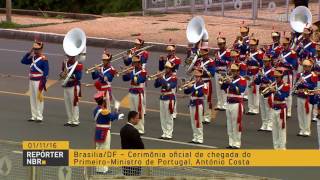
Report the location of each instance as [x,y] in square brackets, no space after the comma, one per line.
[32,120]
[299,134]
[197,143]
[205,122]
[67,124]
[229,147]
[192,142]
[74,125]
[161,137]
[251,113]
[261,130]
[166,138]
[234,147]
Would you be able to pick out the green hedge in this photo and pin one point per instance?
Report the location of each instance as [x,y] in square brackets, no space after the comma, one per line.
[78,6]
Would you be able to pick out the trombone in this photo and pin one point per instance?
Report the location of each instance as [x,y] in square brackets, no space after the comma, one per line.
[186,84]
[154,76]
[123,71]
[91,69]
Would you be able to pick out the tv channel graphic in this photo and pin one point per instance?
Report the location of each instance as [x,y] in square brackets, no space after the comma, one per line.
[45,153]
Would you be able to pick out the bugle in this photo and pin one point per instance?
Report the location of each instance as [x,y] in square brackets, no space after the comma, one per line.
[137,52]
[268,88]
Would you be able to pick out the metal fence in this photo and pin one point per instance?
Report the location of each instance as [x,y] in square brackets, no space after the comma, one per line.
[11,168]
[276,10]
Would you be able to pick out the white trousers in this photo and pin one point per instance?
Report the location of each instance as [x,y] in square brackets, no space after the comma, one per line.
[175,112]
[279,134]
[289,98]
[303,117]
[253,99]
[72,111]
[197,127]
[35,104]
[166,119]
[232,124]
[314,112]
[103,146]
[134,106]
[265,114]
[207,110]
[221,94]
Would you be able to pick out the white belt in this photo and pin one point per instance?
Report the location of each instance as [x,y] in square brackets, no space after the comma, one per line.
[106,86]
[167,93]
[36,75]
[196,98]
[206,79]
[221,68]
[236,96]
[103,125]
[141,86]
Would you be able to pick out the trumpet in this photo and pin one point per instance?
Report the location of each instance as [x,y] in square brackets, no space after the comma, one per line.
[309,92]
[186,84]
[154,76]
[224,79]
[268,88]
[125,70]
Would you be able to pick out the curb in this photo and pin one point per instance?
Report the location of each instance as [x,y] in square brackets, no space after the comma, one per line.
[52,14]
[91,41]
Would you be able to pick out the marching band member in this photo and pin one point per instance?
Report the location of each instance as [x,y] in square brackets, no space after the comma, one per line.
[235,87]
[103,118]
[280,92]
[72,90]
[143,55]
[104,76]
[254,63]
[208,66]
[264,79]
[171,57]
[38,74]
[306,80]
[306,48]
[316,69]
[222,59]
[241,44]
[235,56]
[168,83]
[197,90]
[137,76]
[193,50]
[275,48]
[288,63]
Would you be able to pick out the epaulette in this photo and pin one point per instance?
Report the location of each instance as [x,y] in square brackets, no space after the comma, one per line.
[105,112]
[293,51]
[43,57]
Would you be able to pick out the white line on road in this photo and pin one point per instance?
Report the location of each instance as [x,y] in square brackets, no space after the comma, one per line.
[22,51]
[173,142]
[17,152]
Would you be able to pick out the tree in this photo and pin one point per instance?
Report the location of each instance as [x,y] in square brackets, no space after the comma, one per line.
[8,10]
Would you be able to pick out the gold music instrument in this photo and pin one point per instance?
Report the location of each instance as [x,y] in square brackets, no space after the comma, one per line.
[309,92]
[155,76]
[268,88]
[186,85]
[63,74]
[126,70]
[224,79]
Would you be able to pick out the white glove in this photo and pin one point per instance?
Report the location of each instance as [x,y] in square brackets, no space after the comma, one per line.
[121,116]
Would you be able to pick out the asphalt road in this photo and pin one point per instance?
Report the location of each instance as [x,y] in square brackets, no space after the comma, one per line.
[15,110]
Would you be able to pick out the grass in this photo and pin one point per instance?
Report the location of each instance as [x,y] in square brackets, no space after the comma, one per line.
[12,25]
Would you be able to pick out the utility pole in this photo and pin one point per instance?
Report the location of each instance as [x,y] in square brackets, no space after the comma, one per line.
[8,10]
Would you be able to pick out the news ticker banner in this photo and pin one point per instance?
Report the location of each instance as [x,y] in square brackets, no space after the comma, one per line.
[58,153]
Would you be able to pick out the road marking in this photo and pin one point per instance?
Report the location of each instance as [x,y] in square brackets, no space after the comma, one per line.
[125,101]
[82,101]
[17,152]
[24,51]
[173,142]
